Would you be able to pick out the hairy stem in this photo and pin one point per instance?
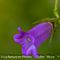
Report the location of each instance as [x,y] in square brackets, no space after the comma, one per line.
[56,9]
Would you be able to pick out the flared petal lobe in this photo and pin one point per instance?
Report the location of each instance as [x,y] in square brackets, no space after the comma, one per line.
[28,41]
[18,38]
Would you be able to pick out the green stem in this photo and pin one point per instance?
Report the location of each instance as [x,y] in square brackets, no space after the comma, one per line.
[56,14]
[56,9]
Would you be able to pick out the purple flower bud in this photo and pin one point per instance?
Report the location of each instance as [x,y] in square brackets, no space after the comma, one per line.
[33,38]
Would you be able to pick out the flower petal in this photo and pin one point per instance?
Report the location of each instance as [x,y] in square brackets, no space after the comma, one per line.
[41,32]
[18,38]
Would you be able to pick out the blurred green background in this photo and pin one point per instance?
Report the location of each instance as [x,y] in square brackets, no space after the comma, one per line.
[23,13]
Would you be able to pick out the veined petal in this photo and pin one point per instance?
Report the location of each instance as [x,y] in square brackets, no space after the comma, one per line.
[41,32]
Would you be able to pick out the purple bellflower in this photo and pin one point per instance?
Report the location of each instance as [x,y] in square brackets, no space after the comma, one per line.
[33,38]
